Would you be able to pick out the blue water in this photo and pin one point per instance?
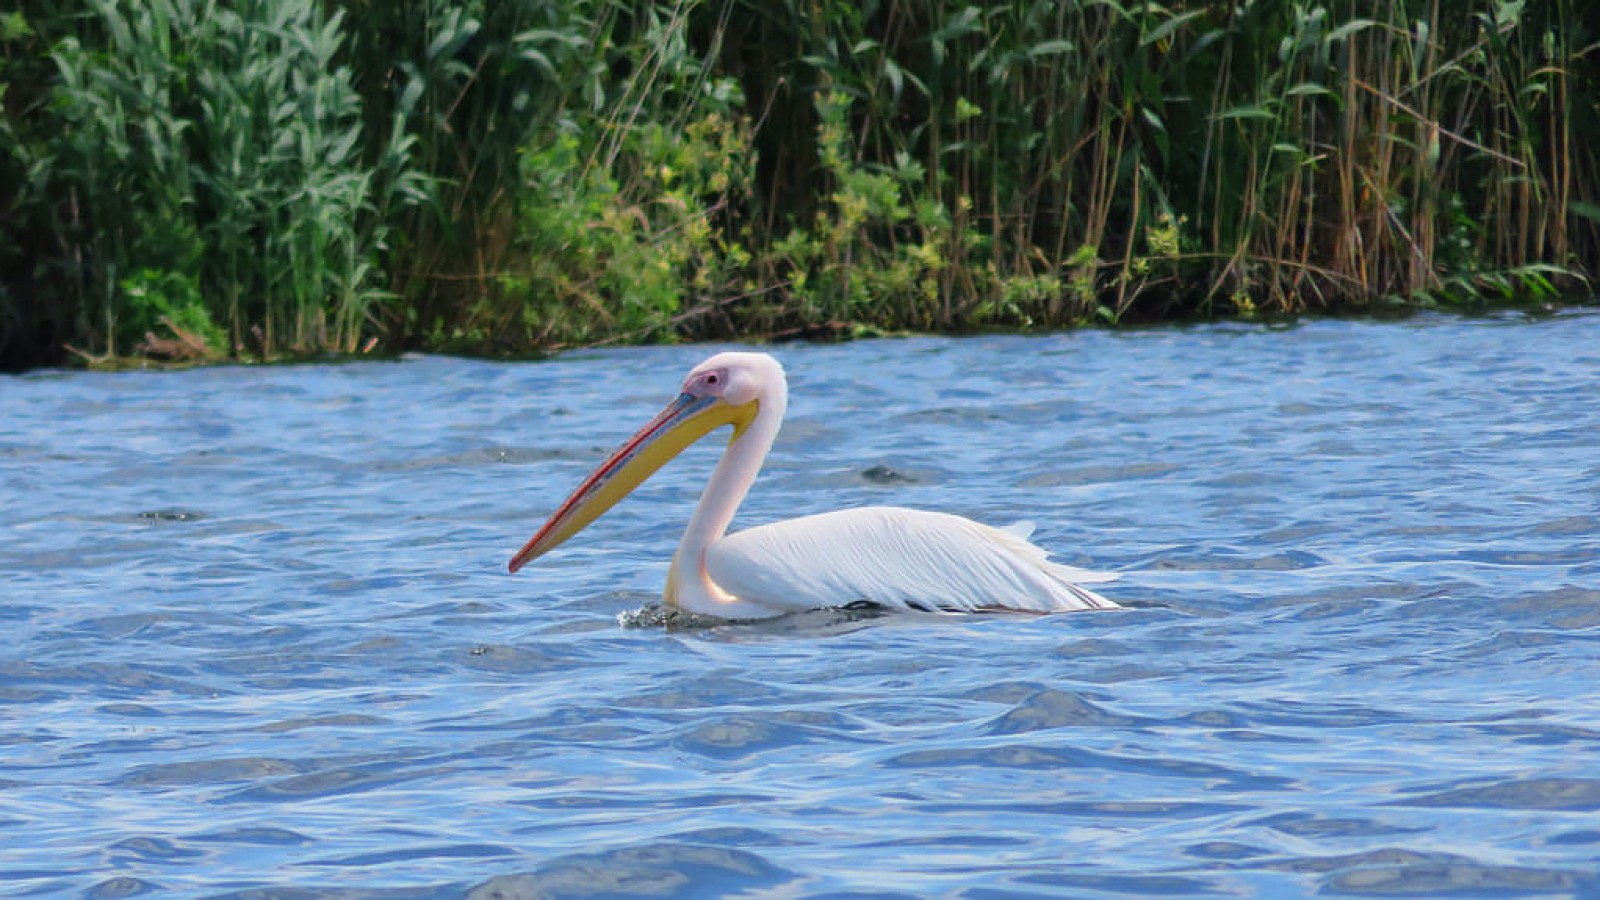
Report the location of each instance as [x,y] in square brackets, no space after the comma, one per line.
[259,638]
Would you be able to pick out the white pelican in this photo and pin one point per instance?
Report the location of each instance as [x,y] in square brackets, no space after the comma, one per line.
[897,558]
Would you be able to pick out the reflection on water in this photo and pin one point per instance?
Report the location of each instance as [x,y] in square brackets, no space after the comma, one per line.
[260,638]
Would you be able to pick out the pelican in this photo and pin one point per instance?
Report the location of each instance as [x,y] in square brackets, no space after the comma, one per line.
[902,559]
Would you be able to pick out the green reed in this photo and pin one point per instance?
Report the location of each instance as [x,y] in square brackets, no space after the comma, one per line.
[195,177]
[206,166]
[1088,159]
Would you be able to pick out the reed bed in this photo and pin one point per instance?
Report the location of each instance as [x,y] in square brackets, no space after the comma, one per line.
[207,179]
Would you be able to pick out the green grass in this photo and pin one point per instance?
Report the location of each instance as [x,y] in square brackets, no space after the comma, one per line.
[281,178]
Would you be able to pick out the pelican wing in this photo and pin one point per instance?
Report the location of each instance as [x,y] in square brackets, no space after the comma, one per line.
[898,558]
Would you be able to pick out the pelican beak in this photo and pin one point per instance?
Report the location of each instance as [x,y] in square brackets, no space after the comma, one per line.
[684,421]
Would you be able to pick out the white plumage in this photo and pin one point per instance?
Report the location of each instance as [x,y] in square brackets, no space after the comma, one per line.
[904,559]
[898,558]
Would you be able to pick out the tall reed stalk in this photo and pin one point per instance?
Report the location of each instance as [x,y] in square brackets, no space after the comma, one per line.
[292,176]
[1089,159]
[208,161]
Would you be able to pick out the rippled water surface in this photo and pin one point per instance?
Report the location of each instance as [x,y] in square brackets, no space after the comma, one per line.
[259,634]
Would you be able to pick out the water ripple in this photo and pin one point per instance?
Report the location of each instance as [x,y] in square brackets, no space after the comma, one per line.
[260,640]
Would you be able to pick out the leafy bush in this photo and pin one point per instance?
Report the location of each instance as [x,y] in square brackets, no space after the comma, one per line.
[311,175]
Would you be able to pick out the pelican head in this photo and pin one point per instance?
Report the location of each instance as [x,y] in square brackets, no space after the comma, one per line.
[727,389]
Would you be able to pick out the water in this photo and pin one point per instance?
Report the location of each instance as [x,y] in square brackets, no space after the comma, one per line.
[260,639]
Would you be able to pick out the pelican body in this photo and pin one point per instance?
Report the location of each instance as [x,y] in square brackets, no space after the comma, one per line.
[902,559]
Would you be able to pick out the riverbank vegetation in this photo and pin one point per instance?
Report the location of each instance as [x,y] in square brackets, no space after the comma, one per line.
[268,178]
